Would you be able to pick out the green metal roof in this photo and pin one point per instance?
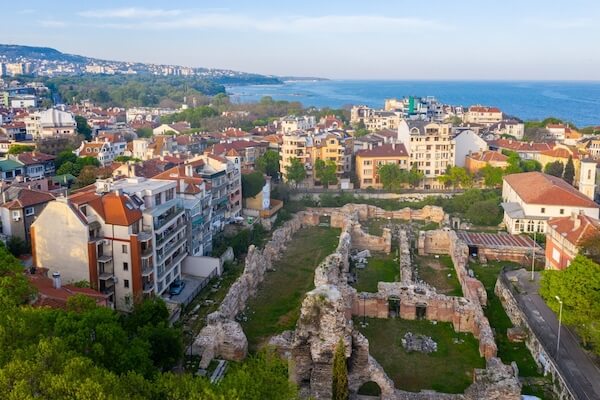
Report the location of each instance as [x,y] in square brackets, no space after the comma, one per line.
[9,165]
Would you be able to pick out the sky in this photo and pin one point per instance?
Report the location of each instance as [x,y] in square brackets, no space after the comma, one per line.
[336,39]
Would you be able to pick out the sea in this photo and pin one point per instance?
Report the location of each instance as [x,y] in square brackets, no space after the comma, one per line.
[576,102]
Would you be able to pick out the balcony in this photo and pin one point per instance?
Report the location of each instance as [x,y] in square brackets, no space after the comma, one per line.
[168,235]
[104,258]
[148,287]
[144,236]
[106,274]
[146,252]
[147,270]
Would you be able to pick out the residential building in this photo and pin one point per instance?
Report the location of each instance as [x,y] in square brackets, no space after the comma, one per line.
[588,178]
[374,120]
[196,200]
[483,115]
[20,208]
[248,151]
[476,161]
[509,127]
[296,145]
[368,162]
[292,123]
[175,128]
[104,150]
[51,122]
[37,165]
[10,169]
[563,133]
[565,236]
[430,147]
[591,146]
[424,108]
[560,153]
[525,150]
[465,143]
[531,198]
[102,240]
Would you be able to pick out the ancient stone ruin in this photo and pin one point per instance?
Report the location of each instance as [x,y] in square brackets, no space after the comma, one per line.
[326,312]
[419,343]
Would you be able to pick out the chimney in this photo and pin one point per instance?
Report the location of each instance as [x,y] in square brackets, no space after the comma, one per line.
[56,280]
[181,186]
[189,171]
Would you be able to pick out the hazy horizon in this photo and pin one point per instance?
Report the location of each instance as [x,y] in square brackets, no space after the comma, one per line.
[346,40]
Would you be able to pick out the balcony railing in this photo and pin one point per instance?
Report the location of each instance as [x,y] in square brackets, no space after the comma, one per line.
[148,287]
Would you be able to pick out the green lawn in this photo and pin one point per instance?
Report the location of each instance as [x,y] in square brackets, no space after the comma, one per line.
[500,322]
[448,370]
[435,272]
[276,307]
[380,268]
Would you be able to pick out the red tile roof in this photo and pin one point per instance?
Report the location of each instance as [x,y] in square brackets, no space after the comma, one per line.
[27,198]
[385,150]
[540,188]
[560,152]
[484,109]
[516,145]
[575,228]
[488,156]
[34,157]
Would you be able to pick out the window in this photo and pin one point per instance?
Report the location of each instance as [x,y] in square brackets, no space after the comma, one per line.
[124,248]
[562,211]
[126,283]
[125,266]
[29,211]
[16,215]
[170,194]
[543,211]
[157,199]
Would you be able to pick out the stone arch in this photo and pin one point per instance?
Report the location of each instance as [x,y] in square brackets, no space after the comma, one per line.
[393,306]
[325,220]
[370,388]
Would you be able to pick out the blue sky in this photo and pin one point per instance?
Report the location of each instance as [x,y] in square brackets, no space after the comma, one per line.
[374,39]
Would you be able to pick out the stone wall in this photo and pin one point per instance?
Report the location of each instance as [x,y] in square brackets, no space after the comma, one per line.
[518,318]
[365,212]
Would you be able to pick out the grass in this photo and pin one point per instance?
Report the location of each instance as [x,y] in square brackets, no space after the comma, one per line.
[448,370]
[435,272]
[507,351]
[276,307]
[381,267]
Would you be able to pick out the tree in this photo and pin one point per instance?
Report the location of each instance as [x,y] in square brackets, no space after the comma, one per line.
[415,176]
[555,168]
[124,159]
[392,177]
[492,176]
[144,132]
[484,213]
[325,172]
[268,163]
[63,157]
[252,184]
[579,288]
[20,148]
[67,167]
[569,173]
[339,386]
[83,128]
[295,172]
[17,246]
[530,165]
[456,176]
[87,176]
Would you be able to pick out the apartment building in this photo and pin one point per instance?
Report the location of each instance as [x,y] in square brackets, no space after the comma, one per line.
[411,107]
[430,148]
[37,165]
[97,237]
[20,206]
[247,150]
[196,200]
[565,236]
[510,127]
[291,123]
[374,120]
[51,122]
[483,115]
[105,151]
[368,162]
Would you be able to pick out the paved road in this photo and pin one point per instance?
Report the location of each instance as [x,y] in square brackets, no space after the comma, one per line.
[574,364]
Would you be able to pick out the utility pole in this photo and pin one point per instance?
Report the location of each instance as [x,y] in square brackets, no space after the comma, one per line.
[533,257]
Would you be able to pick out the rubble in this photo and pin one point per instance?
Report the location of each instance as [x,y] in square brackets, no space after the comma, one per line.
[419,343]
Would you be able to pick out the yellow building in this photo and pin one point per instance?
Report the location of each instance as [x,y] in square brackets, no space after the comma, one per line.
[476,161]
[483,115]
[368,161]
[561,153]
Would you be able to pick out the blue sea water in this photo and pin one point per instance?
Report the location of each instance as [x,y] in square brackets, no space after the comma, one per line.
[577,102]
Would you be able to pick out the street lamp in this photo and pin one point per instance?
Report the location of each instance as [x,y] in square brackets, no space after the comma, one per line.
[533,257]
[559,323]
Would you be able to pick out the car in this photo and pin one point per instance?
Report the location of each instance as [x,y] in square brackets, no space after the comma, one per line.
[176,287]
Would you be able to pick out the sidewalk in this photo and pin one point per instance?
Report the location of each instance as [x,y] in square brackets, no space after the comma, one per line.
[574,364]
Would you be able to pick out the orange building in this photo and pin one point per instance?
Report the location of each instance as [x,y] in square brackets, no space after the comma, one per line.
[476,161]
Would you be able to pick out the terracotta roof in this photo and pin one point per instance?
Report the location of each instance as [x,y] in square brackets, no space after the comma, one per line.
[233,132]
[516,145]
[116,209]
[385,150]
[185,184]
[26,197]
[387,133]
[540,188]
[488,156]
[50,296]
[34,157]
[575,228]
[484,109]
[560,152]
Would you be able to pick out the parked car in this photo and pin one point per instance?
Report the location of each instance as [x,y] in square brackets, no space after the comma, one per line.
[176,287]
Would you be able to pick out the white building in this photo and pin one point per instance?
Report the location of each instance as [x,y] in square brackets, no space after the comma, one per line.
[531,198]
[465,143]
[51,122]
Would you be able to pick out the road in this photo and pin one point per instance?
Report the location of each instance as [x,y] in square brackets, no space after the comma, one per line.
[574,364]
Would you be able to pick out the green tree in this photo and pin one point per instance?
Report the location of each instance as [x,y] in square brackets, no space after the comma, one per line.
[17,246]
[530,165]
[555,168]
[268,163]
[252,184]
[569,173]
[67,167]
[339,386]
[325,172]
[492,176]
[144,132]
[415,176]
[484,213]
[391,176]
[83,128]
[124,159]
[20,148]
[295,172]
[87,176]
[63,157]
[579,288]
[455,177]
